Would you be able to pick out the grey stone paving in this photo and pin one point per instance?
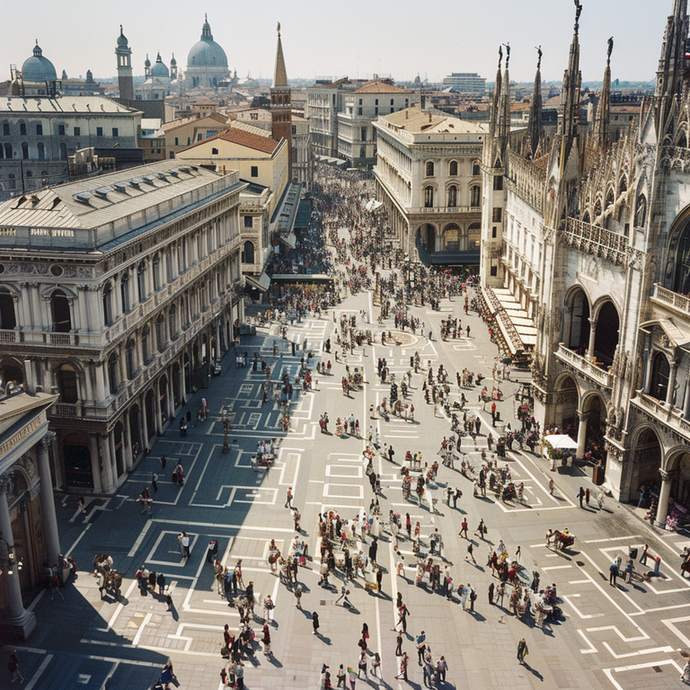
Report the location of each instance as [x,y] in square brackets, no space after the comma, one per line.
[622,638]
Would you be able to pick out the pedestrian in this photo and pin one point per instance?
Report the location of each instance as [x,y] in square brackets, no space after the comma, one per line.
[341,677]
[160,581]
[518,552]
[441,669]
[421,647]
[288,498]
[581,495]
[473,598]
[163,462]
[13,668]
[376,666]
[169,600]
[404,661]
[644,554]
[362,665]
[491,593]
[463,529]
[298,597]
[267,639]
[315,622]
[522,650]
[587,495]
[629,569]
[470,553]
[613,574]
[154,482]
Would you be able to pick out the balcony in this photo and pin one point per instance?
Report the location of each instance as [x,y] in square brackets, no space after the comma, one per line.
[584,367]
[447,209]
[595,240]
[673,300]
[668,415]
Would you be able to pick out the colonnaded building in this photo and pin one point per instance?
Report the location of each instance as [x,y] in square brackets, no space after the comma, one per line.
[117,293]
[586,238]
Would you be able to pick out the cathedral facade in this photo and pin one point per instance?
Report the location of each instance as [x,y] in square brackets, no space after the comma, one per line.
[587,231]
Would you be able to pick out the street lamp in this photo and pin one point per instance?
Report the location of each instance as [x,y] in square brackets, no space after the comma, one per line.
[225,419]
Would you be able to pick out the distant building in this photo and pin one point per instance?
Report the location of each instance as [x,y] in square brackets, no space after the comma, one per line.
[183,132]
[207,64]
[158,82]
[38,134]
[464,82]
[428,177]
[361,108]
[124,67]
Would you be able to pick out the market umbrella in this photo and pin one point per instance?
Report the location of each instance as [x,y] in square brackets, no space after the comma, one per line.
[561,442]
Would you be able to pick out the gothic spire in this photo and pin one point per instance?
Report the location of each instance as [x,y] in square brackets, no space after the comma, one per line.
[535,128]
[672,61]
[572,82]
[602,117]
[493,114]
[280,74]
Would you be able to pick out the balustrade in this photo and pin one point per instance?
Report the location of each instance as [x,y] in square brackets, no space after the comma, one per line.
[585,366]
[595,240]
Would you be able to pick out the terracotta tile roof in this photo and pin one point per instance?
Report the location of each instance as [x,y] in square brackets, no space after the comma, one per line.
[378,86]
[242,138]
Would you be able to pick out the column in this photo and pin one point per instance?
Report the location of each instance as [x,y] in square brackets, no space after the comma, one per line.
[581,434]
[50,528]
[647,382]
[686,402]
[96,465]
[183,381]
[157,407]
[144,424]
[664,495]
[127,441]
[20,621]
[670,393]
[592,336]
[567,325]
[107,459]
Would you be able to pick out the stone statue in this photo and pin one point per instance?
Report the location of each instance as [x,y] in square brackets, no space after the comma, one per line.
[500,56]
[278,28]
[578,12]
[608,56]
[507,45]
[539,53]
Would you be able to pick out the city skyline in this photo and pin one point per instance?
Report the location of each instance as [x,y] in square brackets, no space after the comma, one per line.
[386,44]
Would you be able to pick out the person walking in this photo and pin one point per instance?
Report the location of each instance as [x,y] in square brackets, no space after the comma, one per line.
[470,553]
[404,662]
[13,668]
[421,647]
[288,498]
[491,593]
[522,651]
[266,639]
[376,666]
[341,677]
[154,482]
[581,495]
[441,669]
[298,597]
[315,623]
[463,528]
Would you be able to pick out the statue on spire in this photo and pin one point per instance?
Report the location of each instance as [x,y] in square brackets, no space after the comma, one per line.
[608,56]
[279,29]
[578,12]
[539,53]
[500,56]
[507,45]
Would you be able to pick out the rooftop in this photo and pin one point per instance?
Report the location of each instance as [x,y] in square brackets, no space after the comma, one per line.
[242,137]
[64,104]
[416,121]
[378,86]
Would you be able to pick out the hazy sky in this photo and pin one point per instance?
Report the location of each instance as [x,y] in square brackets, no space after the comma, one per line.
[353,38]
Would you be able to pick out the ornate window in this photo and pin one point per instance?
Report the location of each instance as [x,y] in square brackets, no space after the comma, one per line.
[660,374]
[67,384]
[429,168]
[476,170]
[60,309]
[452,196]
[428,197]
[453,168]
[475,196]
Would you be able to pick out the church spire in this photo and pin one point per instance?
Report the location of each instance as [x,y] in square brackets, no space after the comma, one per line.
[535,128]
[572,83]
[503,125]
[280,74]
[602,118]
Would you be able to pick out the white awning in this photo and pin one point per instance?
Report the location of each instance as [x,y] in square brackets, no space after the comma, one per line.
[262,283]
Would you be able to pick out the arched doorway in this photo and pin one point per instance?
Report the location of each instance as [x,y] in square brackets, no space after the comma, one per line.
[118,438]
[134,430]
[452,239]
[11,371]
[426,235]
[606,338]
[578,335]
[567,400]
[646,462]
[680,487]
[594,408]
[76,454]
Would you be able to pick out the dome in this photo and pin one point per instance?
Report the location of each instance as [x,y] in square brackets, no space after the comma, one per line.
[159,69]
[38,68]
[206,52]
[122,39]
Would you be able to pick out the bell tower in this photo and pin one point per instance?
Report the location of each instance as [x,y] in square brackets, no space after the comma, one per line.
[281,104]
[124,67]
